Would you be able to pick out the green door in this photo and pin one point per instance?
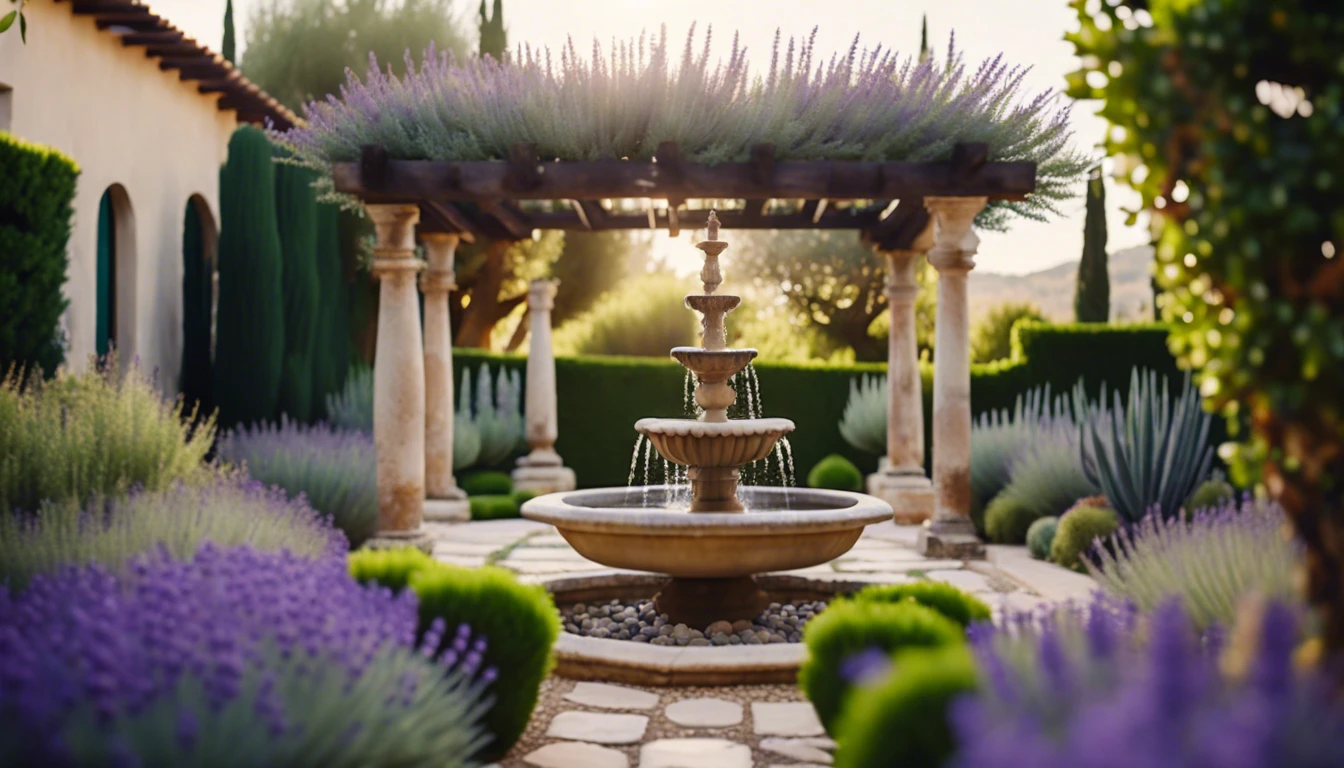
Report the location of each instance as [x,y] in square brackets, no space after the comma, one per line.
[107,277]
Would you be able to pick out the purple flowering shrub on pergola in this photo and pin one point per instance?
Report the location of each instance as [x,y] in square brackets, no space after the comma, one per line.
[869,104]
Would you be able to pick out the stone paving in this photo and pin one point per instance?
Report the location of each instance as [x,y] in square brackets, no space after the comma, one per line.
[597,725]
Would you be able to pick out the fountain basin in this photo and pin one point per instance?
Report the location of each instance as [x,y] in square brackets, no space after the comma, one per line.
[711,556]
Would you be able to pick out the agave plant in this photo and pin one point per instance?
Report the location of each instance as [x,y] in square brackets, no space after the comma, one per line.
[498,418]
[1146,452]
[864,424]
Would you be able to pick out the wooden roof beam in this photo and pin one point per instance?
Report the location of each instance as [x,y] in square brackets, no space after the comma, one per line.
[513,221]
[161,36]
[447,217]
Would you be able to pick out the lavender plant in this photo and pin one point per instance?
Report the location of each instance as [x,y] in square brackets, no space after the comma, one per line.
[232,657]
[176,522]
[334,469]
[868,104]
[102,431]
[1118,700]
[1210,562]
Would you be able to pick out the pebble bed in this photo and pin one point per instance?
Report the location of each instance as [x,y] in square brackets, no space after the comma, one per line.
[638,622]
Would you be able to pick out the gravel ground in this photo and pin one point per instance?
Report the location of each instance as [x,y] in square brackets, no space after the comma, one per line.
[551,702]
[636,621]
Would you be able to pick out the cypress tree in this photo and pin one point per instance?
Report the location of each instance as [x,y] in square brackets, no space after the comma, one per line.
[228,48]
[194,378]
[1092,297]
[296,214]
[924,52]
[331,344]
[250,327]
[494,40]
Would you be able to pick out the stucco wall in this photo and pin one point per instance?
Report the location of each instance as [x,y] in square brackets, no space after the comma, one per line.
[125,122]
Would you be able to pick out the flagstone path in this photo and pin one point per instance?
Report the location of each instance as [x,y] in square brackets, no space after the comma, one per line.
[597,725]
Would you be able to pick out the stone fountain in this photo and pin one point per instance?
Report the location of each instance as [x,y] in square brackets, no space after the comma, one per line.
[712,548]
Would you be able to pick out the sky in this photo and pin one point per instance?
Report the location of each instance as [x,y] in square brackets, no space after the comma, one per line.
[1027,32]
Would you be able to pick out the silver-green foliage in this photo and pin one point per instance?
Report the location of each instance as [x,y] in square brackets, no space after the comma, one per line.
[499,416]
[998,438]
[867,105]
[864,424]
[1210,562]
[1047,474]
[99,432]
[294,711]
[352,409]
[227,510]
[1146,451]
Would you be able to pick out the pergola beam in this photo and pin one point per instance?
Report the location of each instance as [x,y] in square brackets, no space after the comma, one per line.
[523,178]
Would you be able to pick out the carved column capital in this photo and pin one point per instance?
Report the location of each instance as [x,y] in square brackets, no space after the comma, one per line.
[394,251]
[541,295]
[954,241]
[439,276]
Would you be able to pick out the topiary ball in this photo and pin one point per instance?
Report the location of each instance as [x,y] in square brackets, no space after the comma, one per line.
[1210,493]
[1076,532]
[943,598]
[486,483]
[903,720]
[519,497]
[519,621]
[1041,535]
[835,473]
[852,640]
[493,507]
[1007,519]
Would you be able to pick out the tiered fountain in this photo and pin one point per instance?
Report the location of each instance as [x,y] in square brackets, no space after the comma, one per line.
[712,548]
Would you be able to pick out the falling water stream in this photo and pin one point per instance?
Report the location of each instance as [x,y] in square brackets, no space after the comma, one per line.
[776,469]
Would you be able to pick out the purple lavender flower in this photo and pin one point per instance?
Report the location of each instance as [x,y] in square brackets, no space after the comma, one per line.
[1143,695]
[285,659]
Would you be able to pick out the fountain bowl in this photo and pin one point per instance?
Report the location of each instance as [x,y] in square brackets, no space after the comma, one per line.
[693,443]
[637,528]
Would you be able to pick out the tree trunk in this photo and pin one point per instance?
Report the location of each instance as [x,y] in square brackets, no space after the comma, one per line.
[483,311]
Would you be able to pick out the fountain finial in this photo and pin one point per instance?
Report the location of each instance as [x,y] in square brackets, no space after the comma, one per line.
[713,225]
[710,274]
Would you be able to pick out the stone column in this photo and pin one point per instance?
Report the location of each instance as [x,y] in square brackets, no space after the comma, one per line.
[398,382]
[445,502]
[901,481]
[541,471]
[950,533]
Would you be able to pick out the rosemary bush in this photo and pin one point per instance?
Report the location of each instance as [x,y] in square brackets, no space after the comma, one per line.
[869,104]
[175,522]
[100,432]
[998,439]
[1210,562]
[336,470]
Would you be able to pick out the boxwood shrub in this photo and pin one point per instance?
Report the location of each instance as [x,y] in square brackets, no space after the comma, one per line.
[936,595]
[519,621]
[486,483]
[493,507]
[836,473]
[849,638]
[903,719]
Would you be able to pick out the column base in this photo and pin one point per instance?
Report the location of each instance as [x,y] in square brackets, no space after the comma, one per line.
[950,540]
[448,510]
[909,494]
[543,480]
[419,539]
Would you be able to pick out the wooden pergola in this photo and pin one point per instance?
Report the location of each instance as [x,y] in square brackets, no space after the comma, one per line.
[904,209]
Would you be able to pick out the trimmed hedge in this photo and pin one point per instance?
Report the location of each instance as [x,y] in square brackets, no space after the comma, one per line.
[519,621]
[935,595]
[37,192]
[903,720]
[840,640]
[601,398]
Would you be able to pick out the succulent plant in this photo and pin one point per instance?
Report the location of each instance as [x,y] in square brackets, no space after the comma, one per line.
[1041,536]
[1145,451]
[998,437]
[498,418]
[864,424]
[1210,493]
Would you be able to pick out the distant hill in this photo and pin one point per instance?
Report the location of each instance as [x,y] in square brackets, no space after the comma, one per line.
[1052,289]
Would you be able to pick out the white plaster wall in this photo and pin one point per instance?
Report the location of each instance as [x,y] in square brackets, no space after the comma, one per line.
[125,122]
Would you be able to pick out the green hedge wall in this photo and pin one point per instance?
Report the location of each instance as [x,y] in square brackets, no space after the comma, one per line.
[37,191]
[601,398]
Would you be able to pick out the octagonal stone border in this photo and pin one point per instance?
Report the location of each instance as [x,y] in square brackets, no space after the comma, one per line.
[623,661]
